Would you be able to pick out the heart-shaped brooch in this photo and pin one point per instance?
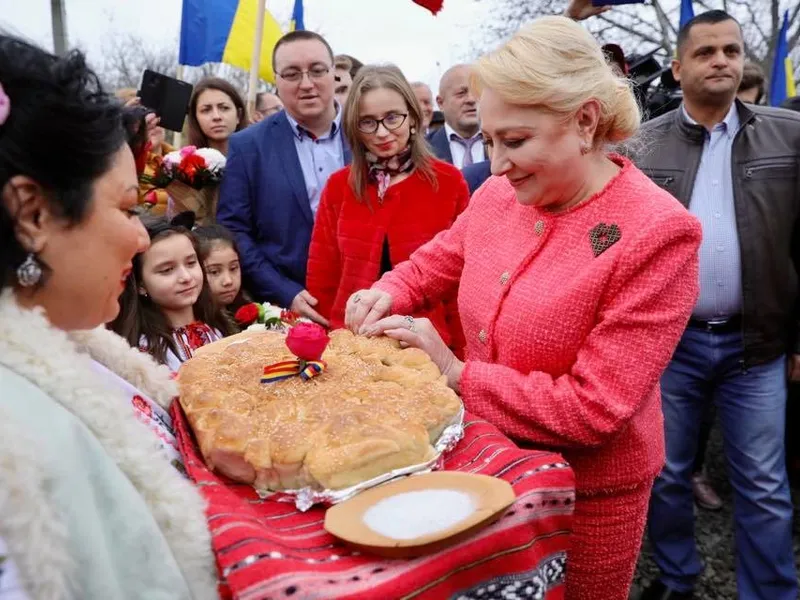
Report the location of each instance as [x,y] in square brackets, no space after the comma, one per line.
[604,236]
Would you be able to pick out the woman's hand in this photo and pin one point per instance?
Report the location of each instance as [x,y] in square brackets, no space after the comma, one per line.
[583,9]
[155,133]
[420,333]
[303,304]
[365,308]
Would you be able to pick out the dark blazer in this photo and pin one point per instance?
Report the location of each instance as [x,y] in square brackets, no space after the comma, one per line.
[264,202]
[441,145]
[476,174]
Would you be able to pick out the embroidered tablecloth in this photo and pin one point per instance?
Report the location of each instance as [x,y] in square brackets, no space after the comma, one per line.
[267,549]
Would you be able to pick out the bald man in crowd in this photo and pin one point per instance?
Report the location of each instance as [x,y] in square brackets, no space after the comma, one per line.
[425,98]
[460,141]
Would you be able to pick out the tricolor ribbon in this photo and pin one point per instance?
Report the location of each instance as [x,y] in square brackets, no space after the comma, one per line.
[306,369]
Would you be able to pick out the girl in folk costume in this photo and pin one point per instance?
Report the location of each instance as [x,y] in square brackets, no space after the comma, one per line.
[167,310]
[220,258]
[394,198]
[89,503]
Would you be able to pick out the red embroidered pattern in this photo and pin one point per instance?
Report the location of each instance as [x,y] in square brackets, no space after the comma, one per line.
[191,337]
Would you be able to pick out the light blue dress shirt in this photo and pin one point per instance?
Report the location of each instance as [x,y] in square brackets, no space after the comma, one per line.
[319,157]
[712,203]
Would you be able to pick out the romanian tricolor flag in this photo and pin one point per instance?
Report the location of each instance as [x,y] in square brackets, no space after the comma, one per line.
[298,24]
[224,31]
[781,85]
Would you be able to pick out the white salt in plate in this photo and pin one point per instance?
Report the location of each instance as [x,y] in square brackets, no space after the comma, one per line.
[419,514]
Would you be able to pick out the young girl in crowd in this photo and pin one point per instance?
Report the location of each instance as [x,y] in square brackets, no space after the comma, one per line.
[168,310]
[220,258]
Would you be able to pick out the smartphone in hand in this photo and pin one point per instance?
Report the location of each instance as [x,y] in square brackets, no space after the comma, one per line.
[166,96]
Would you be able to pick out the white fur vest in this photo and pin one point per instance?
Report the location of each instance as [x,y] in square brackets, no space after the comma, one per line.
[59,365]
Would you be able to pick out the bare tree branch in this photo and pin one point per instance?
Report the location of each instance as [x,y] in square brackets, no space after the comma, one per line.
[666,27]
[629,30]
[636,27]
[793,18]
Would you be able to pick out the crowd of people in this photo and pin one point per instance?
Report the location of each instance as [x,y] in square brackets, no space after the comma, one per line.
[587,283]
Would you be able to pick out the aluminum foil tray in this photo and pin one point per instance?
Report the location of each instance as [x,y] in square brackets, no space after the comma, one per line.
[307,497]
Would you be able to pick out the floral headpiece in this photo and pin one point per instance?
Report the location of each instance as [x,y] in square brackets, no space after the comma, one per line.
[5,105]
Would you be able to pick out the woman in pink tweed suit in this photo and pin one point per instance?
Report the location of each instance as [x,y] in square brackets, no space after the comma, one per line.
[576,276]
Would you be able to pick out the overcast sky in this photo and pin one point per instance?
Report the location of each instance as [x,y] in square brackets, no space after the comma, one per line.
[399,32]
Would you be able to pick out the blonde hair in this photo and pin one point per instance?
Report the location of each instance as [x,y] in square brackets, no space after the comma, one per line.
[387,77]
[556,65]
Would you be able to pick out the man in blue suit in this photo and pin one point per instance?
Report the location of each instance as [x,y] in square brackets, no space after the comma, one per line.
[460,141]
[276,171]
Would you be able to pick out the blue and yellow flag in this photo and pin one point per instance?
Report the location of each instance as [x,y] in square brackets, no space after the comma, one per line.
[224,31]
[781,85]
[687,12]
[298,24]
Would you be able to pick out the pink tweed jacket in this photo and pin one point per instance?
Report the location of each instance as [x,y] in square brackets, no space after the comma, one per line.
[570,318]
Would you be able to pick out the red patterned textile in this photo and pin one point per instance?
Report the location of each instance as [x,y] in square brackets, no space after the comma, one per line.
[268,549]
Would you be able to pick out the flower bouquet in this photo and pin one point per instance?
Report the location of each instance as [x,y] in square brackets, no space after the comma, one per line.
[191,177]
[266,315]
[196,167]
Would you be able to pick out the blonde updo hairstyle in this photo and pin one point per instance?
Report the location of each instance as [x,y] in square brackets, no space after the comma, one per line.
[556,65]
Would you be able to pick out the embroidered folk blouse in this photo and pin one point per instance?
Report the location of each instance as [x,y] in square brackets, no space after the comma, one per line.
[187,340]
[149,413]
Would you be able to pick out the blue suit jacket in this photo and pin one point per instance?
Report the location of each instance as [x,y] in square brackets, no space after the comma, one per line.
[264,202]
[476,174]
[441,145]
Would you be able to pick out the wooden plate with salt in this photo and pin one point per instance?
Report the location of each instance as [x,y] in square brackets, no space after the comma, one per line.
[419,514]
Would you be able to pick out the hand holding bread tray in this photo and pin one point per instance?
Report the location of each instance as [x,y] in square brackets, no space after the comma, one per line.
[317,418]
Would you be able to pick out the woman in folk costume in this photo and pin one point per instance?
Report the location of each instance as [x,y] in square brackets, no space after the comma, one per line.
[394,198]
[90,504]
[576,276]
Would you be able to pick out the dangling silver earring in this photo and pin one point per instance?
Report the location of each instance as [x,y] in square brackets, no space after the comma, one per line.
[29,273]
[413,130]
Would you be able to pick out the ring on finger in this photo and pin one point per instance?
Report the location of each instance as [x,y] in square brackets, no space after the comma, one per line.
[410,323]
[356,299]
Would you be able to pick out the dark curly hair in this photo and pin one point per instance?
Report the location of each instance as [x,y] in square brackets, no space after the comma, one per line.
[63,132]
